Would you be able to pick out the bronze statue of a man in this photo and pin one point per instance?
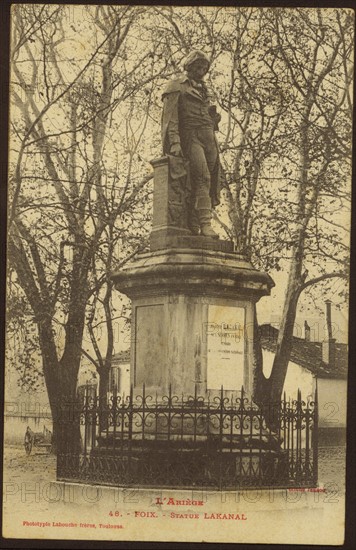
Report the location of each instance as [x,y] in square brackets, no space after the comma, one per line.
[189,123]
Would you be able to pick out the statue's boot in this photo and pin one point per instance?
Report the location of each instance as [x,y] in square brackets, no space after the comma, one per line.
[204,215]
[193,222]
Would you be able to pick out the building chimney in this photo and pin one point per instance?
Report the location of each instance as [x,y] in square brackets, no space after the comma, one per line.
[306,331]
[328,345]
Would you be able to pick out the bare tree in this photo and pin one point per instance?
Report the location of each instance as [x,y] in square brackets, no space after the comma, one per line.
[312,51]
[282,80]
[76,182]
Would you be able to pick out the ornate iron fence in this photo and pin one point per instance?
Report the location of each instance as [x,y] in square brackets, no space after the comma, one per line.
[214,441]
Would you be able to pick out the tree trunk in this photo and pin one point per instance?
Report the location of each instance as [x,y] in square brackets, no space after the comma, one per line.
[68,421]
[260,382]
[285,334]
[61,386]
[53,397]
[50,366]
[267,392]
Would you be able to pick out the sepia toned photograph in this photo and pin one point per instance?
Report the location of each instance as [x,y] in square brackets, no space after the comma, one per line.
[177,280]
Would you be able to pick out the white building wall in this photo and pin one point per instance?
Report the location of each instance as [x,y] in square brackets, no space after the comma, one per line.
[297,377]
[125,379]
[332,403]
[332,394]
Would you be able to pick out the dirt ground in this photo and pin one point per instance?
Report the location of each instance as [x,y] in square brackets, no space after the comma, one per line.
[332,467]
[38,466]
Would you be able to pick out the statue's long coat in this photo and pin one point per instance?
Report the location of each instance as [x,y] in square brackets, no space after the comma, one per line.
[170,114]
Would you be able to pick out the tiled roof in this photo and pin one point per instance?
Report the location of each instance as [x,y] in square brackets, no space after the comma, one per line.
[308,354]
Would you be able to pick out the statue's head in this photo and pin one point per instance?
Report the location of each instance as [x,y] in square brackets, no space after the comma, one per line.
[197,63]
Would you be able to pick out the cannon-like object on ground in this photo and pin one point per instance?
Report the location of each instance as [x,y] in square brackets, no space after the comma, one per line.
[37,439]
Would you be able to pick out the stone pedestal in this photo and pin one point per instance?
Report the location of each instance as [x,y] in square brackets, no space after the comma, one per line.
[192,319]
[192,298]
